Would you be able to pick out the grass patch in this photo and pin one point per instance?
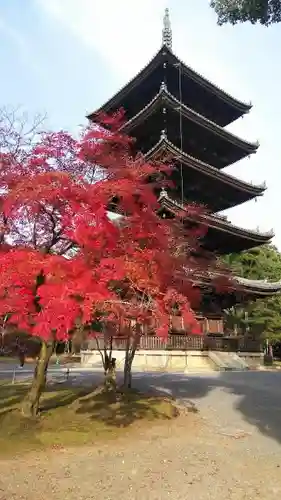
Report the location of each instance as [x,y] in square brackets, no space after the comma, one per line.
[74,416]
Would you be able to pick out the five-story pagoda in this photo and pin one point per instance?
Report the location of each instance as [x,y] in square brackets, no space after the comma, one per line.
[173,111]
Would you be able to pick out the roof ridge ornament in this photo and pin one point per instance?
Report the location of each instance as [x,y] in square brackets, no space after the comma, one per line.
[163,194]
[167,30]
[163,135]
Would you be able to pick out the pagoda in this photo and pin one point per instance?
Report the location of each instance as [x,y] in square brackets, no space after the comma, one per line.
[172,111]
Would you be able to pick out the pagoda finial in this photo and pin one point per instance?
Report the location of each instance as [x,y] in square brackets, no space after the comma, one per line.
[167,31]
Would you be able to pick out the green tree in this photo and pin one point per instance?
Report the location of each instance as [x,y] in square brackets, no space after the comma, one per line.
[265,12]
[262,315]
[260,263]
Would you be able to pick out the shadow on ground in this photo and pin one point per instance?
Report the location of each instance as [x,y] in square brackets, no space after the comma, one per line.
[11,395]
[119,410]
[257,395]
[58,397]
[122,410]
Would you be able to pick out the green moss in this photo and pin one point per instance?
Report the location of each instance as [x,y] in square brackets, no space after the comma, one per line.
[74,416]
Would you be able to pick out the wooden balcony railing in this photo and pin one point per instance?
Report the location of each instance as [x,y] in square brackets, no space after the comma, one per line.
[186,342]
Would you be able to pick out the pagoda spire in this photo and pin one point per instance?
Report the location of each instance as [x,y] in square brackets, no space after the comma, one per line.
[167,30]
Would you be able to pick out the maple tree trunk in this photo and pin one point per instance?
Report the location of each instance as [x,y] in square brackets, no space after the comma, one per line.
[129,358]
[127,380]
[30,406]
[110,376]
[109,365]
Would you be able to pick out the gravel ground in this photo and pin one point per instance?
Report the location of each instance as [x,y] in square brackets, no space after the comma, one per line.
[185,459]
[229,451]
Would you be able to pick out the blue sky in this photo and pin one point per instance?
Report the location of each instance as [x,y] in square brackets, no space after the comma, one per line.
[66,57]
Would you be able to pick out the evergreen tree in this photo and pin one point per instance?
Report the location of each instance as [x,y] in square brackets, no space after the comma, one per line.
[265,12]
[263,315]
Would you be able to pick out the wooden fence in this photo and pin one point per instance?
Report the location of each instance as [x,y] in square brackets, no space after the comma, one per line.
[186,342]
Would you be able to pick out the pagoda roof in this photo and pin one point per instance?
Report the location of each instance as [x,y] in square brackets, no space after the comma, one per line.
[257,288]
[235,107]
[235,190]
[164,99]
[223,237]
[261,287]
[240,288]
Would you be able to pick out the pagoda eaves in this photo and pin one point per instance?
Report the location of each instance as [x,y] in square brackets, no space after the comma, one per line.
[203,183]
[242,290]
[210,142]
[222,236]
[197,92]
[258,287]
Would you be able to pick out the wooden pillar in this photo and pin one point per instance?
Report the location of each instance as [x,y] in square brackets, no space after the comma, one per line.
[214,325]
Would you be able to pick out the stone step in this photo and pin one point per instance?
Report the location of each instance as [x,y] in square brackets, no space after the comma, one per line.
[227,361]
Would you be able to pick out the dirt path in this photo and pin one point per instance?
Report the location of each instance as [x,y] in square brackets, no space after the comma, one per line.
[185,459]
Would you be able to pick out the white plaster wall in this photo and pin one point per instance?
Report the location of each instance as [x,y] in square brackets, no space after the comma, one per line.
[161,360]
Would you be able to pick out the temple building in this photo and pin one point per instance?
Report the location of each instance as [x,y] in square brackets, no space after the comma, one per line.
[173,111]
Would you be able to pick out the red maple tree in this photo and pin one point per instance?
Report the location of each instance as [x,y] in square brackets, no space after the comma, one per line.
[65,262]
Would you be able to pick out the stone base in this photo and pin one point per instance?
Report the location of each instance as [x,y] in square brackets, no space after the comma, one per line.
[161,360]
